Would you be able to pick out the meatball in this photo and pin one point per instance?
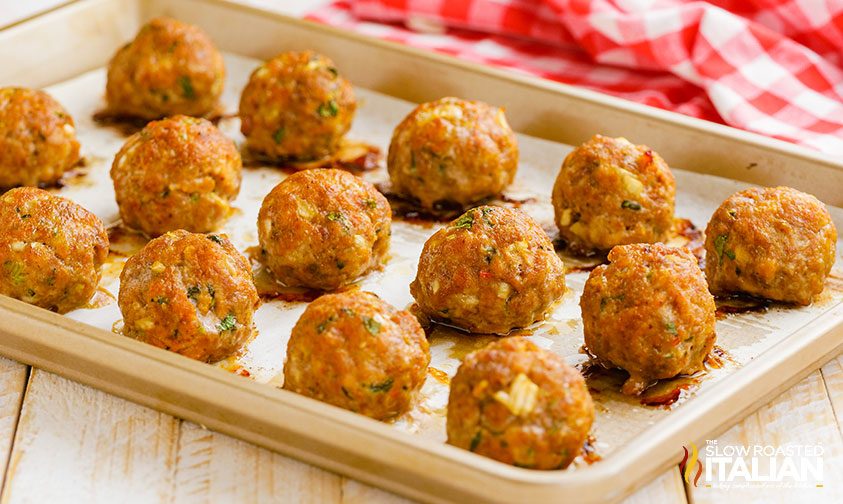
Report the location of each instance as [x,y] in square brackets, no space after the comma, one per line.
[296,106]
[610,192]
[355,351]
[452,151]
[322,229]
[37,138]
[519,404]
[51,249]
[189,293]
[649,312]
[491,270]
[169,68]
[177,173]
[777,243]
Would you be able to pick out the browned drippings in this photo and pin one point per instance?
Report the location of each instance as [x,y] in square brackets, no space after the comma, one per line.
[128,125]
[409,210]
[440,376]
[516,202]
[667,392]
[125,242]
[124,124]
[717,358]
[662,393]
[269,288]
[577,261]
[740,303]
[686,234]
[352,155]
[589,453]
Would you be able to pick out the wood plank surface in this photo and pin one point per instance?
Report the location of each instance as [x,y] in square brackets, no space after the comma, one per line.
[12,384]
[802,415]
[75,443]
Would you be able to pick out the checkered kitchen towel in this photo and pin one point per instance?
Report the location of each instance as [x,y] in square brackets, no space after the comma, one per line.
[768,66]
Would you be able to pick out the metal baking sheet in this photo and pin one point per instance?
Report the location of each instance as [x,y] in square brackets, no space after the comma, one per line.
[764,352]
[619,419]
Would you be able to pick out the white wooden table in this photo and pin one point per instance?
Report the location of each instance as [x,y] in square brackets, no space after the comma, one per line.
[64,442]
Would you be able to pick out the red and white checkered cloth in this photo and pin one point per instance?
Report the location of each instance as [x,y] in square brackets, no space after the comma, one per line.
[768,66]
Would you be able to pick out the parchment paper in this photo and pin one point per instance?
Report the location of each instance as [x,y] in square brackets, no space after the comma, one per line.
[744,337]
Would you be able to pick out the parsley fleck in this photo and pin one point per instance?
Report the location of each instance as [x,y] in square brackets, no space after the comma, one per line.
[15,271]
[324,324]
[216,239]
[333,70]
[228,323]
[720,248]
[278,136]
[193,292]
[631,205]
[372,325]
[370,203]
[670,327]
[187,87]
[329,109]
[465,221]
[475,441]
[162,300]
[335,217]
[381,387]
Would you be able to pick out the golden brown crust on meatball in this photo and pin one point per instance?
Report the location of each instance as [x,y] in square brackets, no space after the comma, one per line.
[192,294]
[296,106]
[519,404]
[323,229]
[51,249]
[491,270]
[355,351]
[169,68]
[452,151]
[649,312]
[37,138]
[177,173]
[610,192]
[776,242]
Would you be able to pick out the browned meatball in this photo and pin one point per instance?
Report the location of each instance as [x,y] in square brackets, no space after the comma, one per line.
[610,192]
[37,138]
[189,293]
[777,243]
[489,271]
[296,106]
[649,312]
[177,173]
[452,151]
[517,403]
[169,68]
[51,249]
[323,229]
[357,352]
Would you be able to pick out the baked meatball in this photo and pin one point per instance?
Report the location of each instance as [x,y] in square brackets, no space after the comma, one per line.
[189,293]
[491,270]
[37,138]
[452,151]
[323,229]
[169,68]
[177,173]
[610,192]
[776,242]
[519,404]
[296,106]
[51,249]
[357,352]
[649,312]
